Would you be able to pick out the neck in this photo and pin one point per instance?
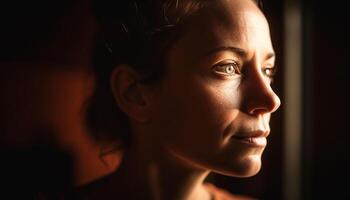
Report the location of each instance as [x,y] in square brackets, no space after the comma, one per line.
[152,175]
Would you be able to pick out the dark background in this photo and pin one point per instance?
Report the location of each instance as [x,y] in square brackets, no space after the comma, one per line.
[326,100]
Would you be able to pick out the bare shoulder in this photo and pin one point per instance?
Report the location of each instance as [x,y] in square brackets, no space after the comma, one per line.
[221,194]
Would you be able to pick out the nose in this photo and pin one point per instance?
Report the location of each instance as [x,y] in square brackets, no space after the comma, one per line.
[259,98]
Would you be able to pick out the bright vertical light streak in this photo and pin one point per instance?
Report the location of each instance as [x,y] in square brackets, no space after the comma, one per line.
[292,102]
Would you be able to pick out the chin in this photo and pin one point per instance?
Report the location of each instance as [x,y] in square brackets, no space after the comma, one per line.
[250,171]
[244,168]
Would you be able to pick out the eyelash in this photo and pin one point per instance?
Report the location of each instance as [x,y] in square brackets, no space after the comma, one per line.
[227,69]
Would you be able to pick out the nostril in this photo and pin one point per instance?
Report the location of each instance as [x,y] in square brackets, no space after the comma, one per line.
[267,102]
[258,111]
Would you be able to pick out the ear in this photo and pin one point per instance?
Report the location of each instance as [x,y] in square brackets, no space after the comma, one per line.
[129,95]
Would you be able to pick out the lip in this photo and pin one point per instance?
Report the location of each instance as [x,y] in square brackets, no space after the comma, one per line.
[255,138]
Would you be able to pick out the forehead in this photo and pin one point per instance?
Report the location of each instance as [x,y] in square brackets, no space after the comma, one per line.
[238,23]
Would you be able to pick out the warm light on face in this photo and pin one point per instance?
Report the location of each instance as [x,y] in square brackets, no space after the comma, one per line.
[216,98]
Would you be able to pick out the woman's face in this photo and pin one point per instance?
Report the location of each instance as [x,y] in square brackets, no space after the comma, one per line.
[215,101]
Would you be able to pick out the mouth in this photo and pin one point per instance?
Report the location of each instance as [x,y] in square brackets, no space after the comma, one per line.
[256,138]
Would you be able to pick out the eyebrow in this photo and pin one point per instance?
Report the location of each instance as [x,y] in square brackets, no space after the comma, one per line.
[241,52]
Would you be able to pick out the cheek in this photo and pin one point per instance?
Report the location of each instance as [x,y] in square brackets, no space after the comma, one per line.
[198,114]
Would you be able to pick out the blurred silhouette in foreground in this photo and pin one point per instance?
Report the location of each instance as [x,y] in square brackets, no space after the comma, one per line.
[45,82]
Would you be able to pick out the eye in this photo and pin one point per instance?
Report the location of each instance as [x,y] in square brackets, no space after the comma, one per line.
[227,69]
[269,71]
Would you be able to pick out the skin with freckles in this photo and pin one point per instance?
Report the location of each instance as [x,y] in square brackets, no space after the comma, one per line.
[209,113]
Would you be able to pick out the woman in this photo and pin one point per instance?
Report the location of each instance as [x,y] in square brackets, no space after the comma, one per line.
[189,84]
